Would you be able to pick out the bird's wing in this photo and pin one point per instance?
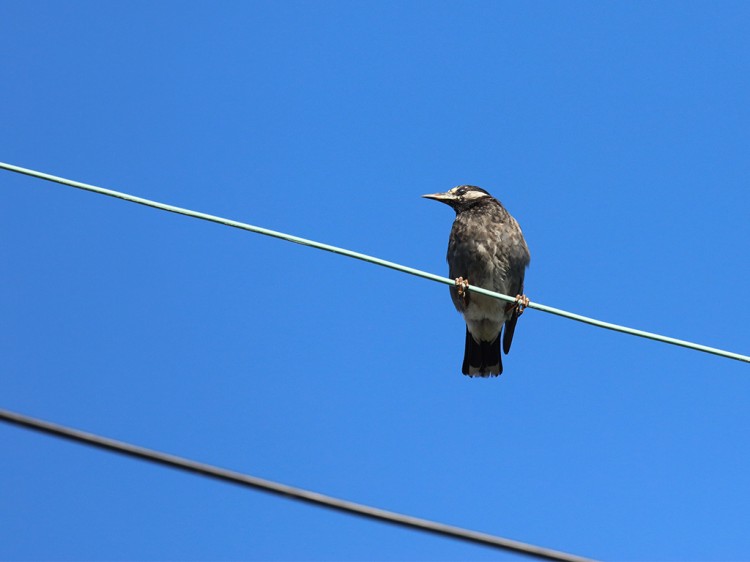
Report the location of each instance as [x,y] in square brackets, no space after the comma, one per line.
[510,327]
[510,323]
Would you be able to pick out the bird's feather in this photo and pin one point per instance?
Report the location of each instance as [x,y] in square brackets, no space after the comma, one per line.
[482,359]
[510,328]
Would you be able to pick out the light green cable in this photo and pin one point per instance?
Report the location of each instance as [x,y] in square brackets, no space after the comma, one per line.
[371,259]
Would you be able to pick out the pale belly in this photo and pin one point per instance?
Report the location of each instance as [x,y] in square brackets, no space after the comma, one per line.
[485,316]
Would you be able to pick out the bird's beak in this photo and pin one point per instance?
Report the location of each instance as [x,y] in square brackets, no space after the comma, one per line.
[442,197]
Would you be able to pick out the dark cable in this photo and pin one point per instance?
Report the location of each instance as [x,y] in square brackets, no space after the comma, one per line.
[284,490]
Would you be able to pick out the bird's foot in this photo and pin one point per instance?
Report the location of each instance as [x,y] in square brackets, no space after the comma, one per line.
[522,301]
[462,285]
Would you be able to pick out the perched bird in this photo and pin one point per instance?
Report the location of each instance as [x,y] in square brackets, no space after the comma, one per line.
[486,248]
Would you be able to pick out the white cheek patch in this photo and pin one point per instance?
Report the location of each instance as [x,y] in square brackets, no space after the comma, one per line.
[472,195]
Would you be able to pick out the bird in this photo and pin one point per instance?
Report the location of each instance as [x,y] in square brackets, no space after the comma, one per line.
[487,249]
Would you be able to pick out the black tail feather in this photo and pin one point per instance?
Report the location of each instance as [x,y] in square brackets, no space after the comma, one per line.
[482,358]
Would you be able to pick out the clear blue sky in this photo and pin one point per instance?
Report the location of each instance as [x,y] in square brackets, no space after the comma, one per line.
[616,133]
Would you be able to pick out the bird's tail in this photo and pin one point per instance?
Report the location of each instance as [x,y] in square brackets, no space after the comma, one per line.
[482,359]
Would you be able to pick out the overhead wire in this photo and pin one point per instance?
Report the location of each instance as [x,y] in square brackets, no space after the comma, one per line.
[373,260]
[291,492]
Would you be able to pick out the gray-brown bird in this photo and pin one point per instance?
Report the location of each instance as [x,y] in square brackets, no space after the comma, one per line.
[486,249]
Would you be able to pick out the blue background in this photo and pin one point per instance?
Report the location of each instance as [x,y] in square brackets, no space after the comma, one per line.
[616,133]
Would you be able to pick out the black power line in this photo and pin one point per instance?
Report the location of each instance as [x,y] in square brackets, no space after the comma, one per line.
[284,490]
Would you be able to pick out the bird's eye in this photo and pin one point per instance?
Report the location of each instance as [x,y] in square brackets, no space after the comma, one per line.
[461,192]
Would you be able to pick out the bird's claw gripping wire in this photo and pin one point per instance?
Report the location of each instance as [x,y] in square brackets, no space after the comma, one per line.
[462,287]
[522,301]
[519,305]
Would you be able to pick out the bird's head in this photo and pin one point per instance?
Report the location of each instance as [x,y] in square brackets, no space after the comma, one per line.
[462,196]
